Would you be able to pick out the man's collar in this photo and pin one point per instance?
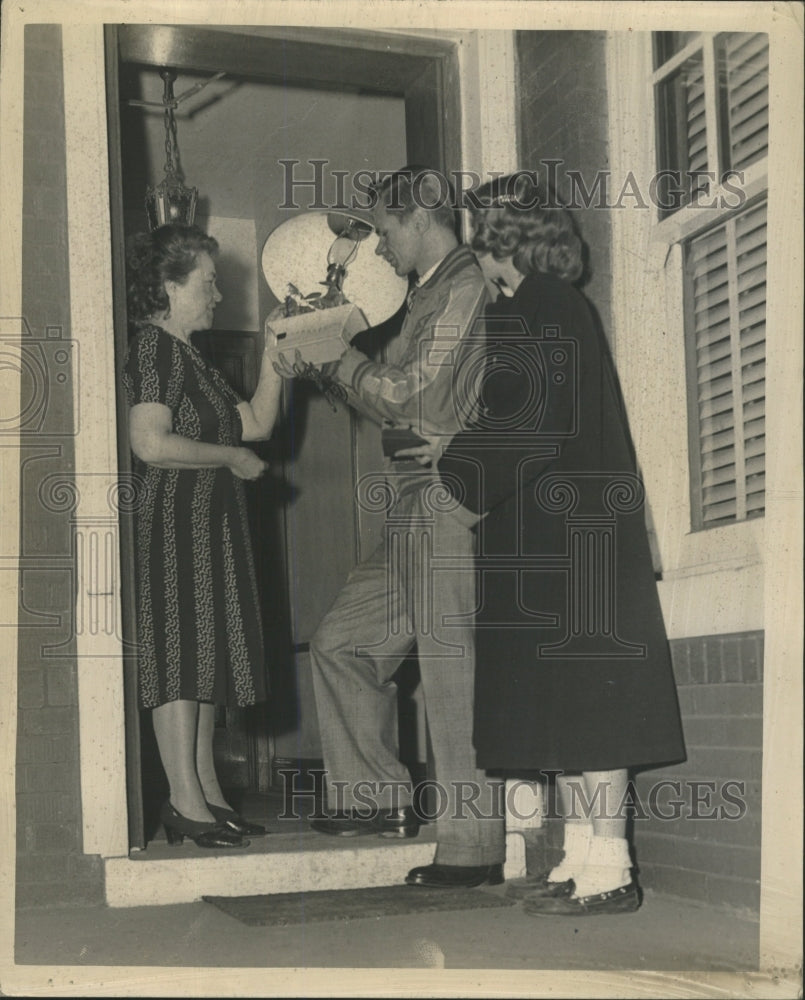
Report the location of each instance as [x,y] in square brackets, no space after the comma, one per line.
[430,272]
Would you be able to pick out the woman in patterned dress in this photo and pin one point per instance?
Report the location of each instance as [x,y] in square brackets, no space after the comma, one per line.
[198,616]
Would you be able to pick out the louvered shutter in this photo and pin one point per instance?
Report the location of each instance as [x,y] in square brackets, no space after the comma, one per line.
[682,133]
[750,239]
[726,306]
[696,158]
[728,92]
[747,95]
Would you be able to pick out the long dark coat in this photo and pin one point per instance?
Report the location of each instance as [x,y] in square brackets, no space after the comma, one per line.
[573,667]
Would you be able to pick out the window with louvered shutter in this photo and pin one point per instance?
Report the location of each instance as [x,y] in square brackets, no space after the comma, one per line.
[725,312]
[712,114]
[682,134]
[712,111]
[744,68]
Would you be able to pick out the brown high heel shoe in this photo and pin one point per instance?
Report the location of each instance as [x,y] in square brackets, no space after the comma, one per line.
[214,835]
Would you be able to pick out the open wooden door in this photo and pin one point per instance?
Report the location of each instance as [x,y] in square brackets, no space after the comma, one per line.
[134,748]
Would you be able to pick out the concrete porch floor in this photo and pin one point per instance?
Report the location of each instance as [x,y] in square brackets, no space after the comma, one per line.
[701,950]
[162,949]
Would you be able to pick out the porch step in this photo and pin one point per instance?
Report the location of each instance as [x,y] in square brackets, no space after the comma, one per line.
[292,862]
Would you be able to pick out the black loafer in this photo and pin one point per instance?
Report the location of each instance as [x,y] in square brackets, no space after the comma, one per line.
[235,822]
[624,899]
[538,885]
[455,876]
[389,823]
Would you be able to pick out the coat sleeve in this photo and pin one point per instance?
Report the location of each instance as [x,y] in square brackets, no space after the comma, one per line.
[395,392]
[528,417]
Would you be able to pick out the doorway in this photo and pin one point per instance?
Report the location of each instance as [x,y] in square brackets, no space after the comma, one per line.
[307,530]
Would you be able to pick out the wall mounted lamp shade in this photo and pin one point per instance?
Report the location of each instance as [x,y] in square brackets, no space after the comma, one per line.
[170,201]
[309,250]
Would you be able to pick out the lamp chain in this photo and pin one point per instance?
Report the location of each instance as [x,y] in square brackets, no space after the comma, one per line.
[171,140]
[168,151]
[171,144]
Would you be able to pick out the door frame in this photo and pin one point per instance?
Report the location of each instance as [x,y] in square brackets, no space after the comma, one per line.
[476,68]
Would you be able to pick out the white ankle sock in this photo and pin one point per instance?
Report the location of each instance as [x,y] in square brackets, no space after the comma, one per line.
[576,844]
[607,866]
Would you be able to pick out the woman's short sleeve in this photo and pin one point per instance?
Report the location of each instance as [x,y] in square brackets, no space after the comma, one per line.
[153,371]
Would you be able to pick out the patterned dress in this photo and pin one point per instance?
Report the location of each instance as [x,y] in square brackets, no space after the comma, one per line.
[198,614]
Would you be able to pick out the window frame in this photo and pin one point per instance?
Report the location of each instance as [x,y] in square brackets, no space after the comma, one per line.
[681,226]
[695,454]
[710,582]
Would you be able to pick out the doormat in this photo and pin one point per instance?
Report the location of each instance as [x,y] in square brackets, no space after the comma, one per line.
[287,908]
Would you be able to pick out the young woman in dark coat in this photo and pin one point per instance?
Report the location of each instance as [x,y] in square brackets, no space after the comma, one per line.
[573,670]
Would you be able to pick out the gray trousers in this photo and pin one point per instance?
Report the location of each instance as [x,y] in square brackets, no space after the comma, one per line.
[402,595]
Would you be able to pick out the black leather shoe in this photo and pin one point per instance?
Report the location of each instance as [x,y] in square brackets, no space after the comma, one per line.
[235,822]
[455,876]
[624,899]
[390,823]
[538,885]
[400,824]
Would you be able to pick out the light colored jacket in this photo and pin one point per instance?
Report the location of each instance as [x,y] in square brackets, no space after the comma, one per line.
[422,383]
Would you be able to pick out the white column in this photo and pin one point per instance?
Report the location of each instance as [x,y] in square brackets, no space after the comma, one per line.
[97,568]
[488,103]
[11,114]
[498,100]
[781,851]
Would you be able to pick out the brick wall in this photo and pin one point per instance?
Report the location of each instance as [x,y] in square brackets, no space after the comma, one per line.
[696,853]
[563,116]
[720,683]
[50,865]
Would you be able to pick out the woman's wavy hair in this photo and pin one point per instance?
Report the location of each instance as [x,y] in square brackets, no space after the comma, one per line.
[514,217]
[168,253]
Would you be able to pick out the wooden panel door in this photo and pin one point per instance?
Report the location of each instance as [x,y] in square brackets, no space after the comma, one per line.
[307,534]
[242,741]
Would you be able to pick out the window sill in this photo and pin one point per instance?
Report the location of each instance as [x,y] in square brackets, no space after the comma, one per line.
[713,600]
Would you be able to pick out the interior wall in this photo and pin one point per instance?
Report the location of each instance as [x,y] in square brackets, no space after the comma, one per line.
[232,136]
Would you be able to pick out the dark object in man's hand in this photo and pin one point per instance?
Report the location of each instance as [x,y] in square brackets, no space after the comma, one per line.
[397,439]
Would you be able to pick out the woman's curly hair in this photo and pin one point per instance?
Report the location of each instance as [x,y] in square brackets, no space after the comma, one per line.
[168,253]
[513,218]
